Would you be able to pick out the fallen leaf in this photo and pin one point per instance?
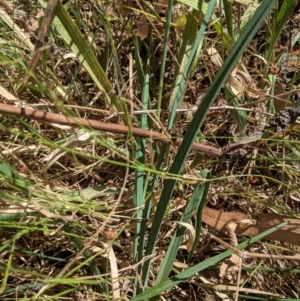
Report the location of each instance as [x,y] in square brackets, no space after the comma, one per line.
[143,28]
[281,101]
[219,219]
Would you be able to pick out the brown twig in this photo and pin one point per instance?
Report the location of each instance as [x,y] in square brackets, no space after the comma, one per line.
[45,117]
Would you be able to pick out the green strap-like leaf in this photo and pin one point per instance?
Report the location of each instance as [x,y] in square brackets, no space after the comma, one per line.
[158,289]
[198,200]
[208,100]
[284,13]
[201,203]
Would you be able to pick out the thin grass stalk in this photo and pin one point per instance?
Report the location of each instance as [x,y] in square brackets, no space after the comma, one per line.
[209,98]
[228,16]
[164,55]
[151,9]
[21,288]
[227,40]
[8,267]
[138,62]
[28,127]
[200,205]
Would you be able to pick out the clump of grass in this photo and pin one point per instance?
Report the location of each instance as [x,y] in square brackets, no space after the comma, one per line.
[91,215]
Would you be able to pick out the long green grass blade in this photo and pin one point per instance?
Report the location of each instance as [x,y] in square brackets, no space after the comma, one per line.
[164,55]
[196,123]
[284,13]
[227,40]
[198,199]
[8,267]
[158,289]
[228,16]
[189,48]
[140,185]
[138,197]
[201,203]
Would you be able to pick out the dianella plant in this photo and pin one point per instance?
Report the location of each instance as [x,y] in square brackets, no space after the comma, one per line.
[107,201]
